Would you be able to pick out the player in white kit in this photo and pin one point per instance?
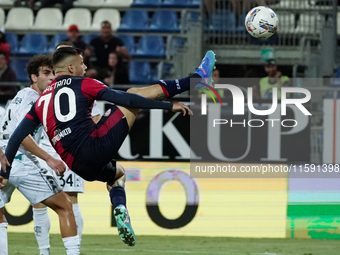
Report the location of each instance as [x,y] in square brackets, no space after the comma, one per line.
[32,180]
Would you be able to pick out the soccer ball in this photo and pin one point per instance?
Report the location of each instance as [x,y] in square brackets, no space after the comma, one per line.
[261,22]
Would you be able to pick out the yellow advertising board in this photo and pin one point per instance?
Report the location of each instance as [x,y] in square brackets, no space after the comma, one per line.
[163,199]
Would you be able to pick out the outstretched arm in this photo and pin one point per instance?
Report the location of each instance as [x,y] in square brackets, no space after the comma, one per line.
[131,100]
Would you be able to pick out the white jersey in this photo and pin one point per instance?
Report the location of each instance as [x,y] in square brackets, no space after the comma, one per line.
[15,112]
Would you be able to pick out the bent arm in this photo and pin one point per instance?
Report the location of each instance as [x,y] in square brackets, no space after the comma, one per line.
[131,100]
[34,148]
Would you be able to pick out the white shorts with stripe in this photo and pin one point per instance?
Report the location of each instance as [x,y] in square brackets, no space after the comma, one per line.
[36,186]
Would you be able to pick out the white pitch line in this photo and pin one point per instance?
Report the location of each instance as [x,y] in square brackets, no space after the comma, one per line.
[162,251]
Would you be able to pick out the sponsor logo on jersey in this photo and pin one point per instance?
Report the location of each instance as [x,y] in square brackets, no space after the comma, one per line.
[60,134]
[107,113]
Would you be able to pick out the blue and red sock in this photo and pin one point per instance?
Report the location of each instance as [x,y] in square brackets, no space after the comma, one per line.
[118,196]
[174,87]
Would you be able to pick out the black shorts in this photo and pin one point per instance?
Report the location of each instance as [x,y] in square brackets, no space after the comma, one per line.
[93,160]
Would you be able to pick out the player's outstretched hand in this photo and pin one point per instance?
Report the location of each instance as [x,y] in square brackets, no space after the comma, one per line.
[4,161]
[57,165]
[3,182]
[179,107]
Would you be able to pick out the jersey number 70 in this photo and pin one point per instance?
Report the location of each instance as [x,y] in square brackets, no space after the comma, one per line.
[71,97]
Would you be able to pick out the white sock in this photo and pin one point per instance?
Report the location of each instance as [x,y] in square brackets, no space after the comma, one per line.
[41,229]
[72,245]
[79,219]
[3,239]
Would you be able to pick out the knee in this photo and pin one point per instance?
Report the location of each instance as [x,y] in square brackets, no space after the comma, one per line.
[120,171]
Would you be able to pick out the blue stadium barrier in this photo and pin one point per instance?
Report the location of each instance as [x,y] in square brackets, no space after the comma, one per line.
[150,46]
[139,72]
[164,21]
[56,39]
[13,41]
[177,3]
[146,3]
[19,67]
[129,42]
[32,44]
[134,20]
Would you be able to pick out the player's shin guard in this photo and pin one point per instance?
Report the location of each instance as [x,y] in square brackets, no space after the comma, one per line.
[118,196]
[174,87]
[72,245]
[79,220]
[41,229]
[3,239]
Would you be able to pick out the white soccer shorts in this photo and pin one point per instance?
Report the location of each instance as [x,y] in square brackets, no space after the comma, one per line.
[36,186]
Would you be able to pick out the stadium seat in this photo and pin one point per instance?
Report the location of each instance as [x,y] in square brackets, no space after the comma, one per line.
[195,3]
[150,46]
[146,3]
[32,44]
[111,15]
[13,41]
[89,37]
[19,67]
[286,22]
[134,20]
[6,2]
[308,23]
[224,21]
[78,16]
[2,17]
[117,3]
[129,43]
[139,72]
[48,19]
[176,3]
[25,21]
[55,40]
[88,3]
[164,21]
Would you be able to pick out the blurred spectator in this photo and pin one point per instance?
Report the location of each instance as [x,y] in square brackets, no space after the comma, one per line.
[117,71]
[103,45]
[66,4]
[4,46]
[275,79]
[74,37]
[7,75]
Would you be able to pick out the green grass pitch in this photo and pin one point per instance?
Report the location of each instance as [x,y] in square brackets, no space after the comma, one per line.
[25,243]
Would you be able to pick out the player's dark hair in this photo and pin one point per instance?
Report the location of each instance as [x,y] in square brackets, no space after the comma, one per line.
[64,52]
[3,53]
[105,22]
[65,43]
[37,61]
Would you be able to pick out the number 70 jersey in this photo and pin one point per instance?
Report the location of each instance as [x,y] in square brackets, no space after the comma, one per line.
[64,108]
